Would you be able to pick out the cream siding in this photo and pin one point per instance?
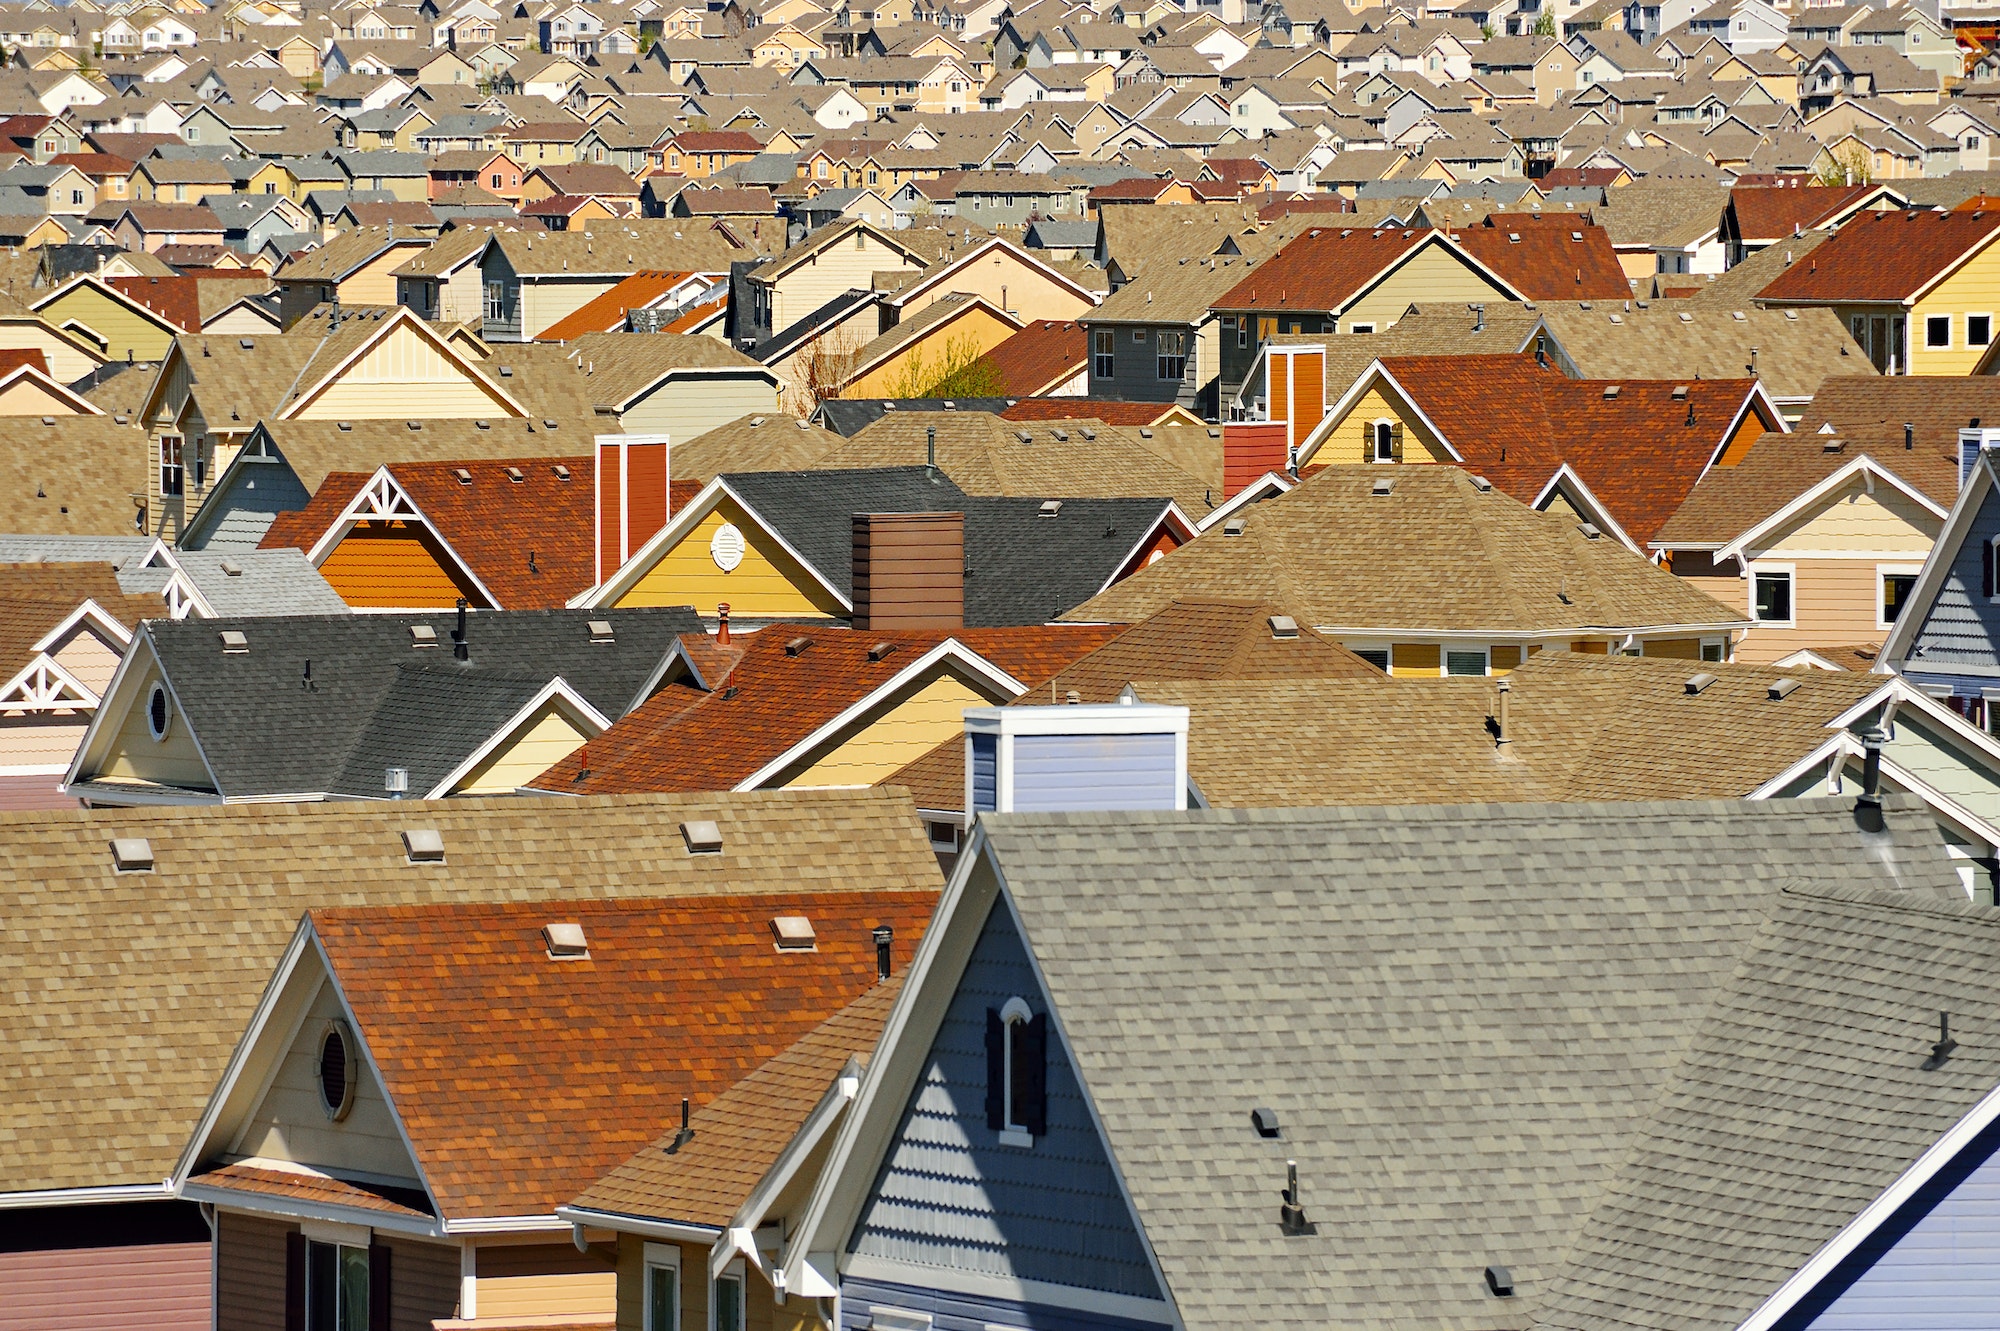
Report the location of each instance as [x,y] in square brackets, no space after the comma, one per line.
[548,738]
[134,755]
[844,264]
[67,363]
[1435,275]
[1007,284]
[405,377]
[1973,289]
[547,301]
[29,398]
[91,658]
[1887,523]
[685,406]
[909,729]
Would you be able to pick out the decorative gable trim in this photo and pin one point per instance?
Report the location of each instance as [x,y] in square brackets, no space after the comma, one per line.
[383,500]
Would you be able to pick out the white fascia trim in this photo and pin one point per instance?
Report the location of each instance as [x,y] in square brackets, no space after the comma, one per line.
[840,1094]
[97,615]
[300,1208]
[1325,429]
[350,514]
[186,584]
[1168,517]
[646,556]
[951,649]
[1036,1292]
[1259,360]
[1814,761]
[1937,566]
[43,661]
[401,317]
[1926,1166]
[124,1192]
[672,1230]
[1864,466]
[1598,512]
[1268,486]
[558,689]
[111,690]
[904,297]
[508,1224]
[1901,694]
[123,798]
[1377,631]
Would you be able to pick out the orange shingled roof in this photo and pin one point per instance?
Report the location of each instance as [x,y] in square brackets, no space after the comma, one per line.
[1883,257]
[493,1053]
[1548,256]
[1042,356]
[686,739]
[1770,213]
[605,313]
[1322,269]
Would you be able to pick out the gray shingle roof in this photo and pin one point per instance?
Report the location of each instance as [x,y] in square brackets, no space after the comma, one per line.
[1463,1017]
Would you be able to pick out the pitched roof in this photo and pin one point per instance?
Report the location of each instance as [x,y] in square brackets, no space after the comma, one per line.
[1322,269]
[34,598]
[121,966]
[74,475]
[1771,214]
[1790,351]
[1045,354]
[1884,256]
[1548,256]
[1466,559]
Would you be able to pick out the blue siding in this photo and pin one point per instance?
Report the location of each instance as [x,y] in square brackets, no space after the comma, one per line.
[238,517]
[949,1195]
[964,1312]
[1935,1266]
[1056,772]
[985,772]
[1960,631]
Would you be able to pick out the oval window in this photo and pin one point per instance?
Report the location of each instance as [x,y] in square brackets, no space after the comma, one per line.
[336,1073]
[159,712]
[726,547]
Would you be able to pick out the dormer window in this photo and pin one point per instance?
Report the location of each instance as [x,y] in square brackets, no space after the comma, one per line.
[1017,1072]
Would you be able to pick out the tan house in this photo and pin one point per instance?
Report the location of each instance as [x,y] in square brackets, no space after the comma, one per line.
[357,267]
[827,264]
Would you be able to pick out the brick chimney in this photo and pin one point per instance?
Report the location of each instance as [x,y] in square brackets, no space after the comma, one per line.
[909,570]
[631,496]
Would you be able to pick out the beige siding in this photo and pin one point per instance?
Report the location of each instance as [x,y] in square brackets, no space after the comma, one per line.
[1833,604]
[134,755]
[406,377]
[909,729]
[41,741]
[289,1123]
[1008,284]
[66,362]
[93,659]
[374,283]
[546,301]
[160,1286]
[28,398]
[682,408]
[1434,276]
[250,1263]
[843,265]
[1886,522]
[547,739]
[547,1281]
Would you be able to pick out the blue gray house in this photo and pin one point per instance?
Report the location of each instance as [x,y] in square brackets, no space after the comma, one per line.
[1211,1069]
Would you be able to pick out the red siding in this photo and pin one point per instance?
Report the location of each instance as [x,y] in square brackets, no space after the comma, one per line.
[158,1286]
[1249,451]
[33,792]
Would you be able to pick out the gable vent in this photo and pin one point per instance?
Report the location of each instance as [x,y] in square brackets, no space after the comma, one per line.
[702,836]
[233,642]
[565,941]
[132,854]
[423,845]
[793,933]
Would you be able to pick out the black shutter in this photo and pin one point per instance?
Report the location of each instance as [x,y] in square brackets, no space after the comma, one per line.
[1031,1074]
[295,1281]
[378,1287]
[996,1070]
[1986,568]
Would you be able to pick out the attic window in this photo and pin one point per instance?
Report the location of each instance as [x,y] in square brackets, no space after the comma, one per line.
[702,836]
[233,642]
[1050,508]
[600,631]
[793,933]
[132,854]
[1284,627]
[423,845]
[423,635]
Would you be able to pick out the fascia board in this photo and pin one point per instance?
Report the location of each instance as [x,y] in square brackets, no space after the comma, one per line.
[557,689]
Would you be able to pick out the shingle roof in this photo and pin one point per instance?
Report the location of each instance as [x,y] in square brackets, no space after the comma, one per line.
[1043,355]
[1794,350]
[1322,269]
[1466,559]
[102,970]
[1552,257]
[1884,256]
[1772,214]
[1477,1113]
[34,598]
[73,475]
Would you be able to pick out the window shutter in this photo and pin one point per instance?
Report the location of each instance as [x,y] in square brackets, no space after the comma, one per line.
[1396,441]
[295,1281]
[1367,441]
[1032,1072]
[996,1070]
[378,1285]
[1986,568]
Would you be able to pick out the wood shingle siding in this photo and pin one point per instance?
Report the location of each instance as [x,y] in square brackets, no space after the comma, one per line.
[387,566]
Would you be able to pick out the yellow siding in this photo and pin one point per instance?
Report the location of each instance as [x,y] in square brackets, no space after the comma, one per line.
[1560,505]
[373,284]
[1415,658]
[123,328]
[405,378]
[1011,285]
[134,755]
[575,1294]
[1343,443]
[1973,289]
[548,739]
[930,352]
[1433,276]
[391,566]
[67,363]
[28,398]
[1887,522]
[545,301]
[767,582]
[841,266]
[907,731]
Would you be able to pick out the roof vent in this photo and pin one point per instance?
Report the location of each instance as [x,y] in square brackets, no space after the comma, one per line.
[1265,1121]
[1382,486]
[600,630]
[233,642]
[548,425]
[48,420]
[1061,436]
[798,646]
[703,837]
[132,854]
[1696,683]
[1481,484]
[1739,316]
[1680,392]
[463,474]
[793,933]
[565,941]
[423,845]
[1833,446]
[516,475]
[1610,391]
[1781,689]
[881,651]
[423,635]
[1233,527]
[1284,626]
[482,425]
[414,425]
[1589,530]
[247,344]
[1050,508]
[506,372]
[1685,317]
[1501,1281]
[1024,436]
[562,472]
[344,426]
[231,569]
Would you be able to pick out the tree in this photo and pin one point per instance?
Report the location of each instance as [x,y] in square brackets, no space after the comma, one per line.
[960,370]
[1848,166]
[1545,25]
[822,370]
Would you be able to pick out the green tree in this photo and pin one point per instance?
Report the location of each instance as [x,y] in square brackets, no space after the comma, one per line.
[1545,25]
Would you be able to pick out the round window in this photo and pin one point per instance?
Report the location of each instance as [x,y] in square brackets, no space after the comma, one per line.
[336,1072]
[726,547]
[159,712]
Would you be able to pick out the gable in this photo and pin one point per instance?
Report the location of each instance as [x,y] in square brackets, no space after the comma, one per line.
[396,565]
[1432,272]
[405,375]
[926,715]
[951,1200]
[1958,633]
[125,749]
[767,581]
[1886,521]
[538,742]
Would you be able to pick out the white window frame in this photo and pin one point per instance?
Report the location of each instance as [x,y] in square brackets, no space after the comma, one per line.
[664,1257]
[1361,328]
[1447,650]
[1720,645]
[1930,319]
[1791,572]
[1883,571]
[1376,439]
[1015,1011]
[1970,315]
[734,1271]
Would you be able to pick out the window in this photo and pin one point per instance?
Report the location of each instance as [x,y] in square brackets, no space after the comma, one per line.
[172,473]
[1896,582]
[1465,662]
[159,712]
[496,301]
[1172,349]
[663,1287]
[76,196]
[1361,328]
[336,1287]
[1773,599]
[1103,357]
[1978,330]
[728,1304]
[1713,649]
[944,837]
[1375,656]
[1937,330]
[1016,1073]
[496,180]
[1972,141]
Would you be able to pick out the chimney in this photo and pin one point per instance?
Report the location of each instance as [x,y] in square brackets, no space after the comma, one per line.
[1078,756]
[909,570]
[1294,404]
[722,624]
[1868,804]
[632,501]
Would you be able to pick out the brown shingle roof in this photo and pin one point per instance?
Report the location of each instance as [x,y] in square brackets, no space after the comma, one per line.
[1322,269]
[1043,355]
[1552,257]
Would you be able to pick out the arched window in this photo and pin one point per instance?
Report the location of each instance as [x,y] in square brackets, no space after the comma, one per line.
[1017,1072]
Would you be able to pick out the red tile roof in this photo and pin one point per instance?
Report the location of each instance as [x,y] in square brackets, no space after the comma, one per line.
[606,313]
[709,741]
[493,1053]
[1140,188]
[1586,176]
[1322,269]
[1772,213]
[95,164]
[1884,257]
[1042,356]
[1548,256]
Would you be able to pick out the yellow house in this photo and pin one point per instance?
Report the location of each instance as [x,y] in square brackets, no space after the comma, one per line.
[920,354]
[1007,277]
[272,178]
[114,324]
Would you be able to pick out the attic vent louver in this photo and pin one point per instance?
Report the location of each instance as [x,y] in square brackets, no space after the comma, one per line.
[1590,530]
[600,631]
[1233,527]
[234,643]
[423,845]
[1382,487]
[1265,1121]
[565,941]
[132,854]
[344,426]
[1610,391]
[881,651]
[562,472]
[793,933]
[702,836]
[1696,683]
[1284,627]
[230,569]
[1781,689]
[1680,392]
[1024,436]
[423,635]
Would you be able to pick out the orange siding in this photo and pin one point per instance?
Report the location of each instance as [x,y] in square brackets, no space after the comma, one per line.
[1309,394]
[1164,543]
[384,566]
[1739,443]
[1279,381]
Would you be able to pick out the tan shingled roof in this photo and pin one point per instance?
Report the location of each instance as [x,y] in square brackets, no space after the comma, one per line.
[124,993]
[75,476]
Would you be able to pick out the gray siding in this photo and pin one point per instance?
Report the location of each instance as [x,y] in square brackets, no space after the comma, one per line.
[1958,633]
[985,773]
[1934,1266]
[1135,368]
[963,1312]
[949,1195]
[495,268]
[1057,772]
[238,517]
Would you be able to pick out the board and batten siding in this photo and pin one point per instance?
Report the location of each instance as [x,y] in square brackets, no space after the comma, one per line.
[685,406]
[950,1197]
[406,377]
[157,1286]
[1958,633]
